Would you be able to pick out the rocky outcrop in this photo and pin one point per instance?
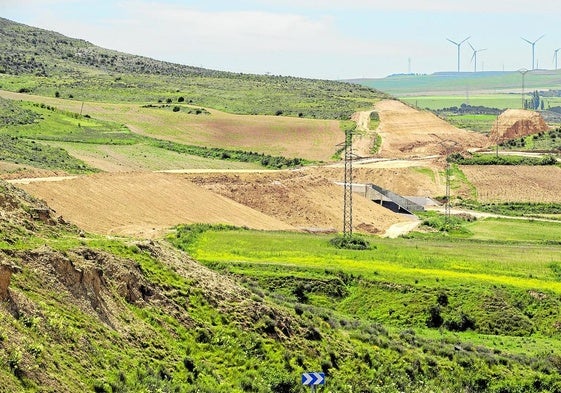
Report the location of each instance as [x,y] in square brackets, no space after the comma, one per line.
[516,123]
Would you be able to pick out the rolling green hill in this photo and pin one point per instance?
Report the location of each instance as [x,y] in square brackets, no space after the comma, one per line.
[84,312]
[47,63]
[454,83]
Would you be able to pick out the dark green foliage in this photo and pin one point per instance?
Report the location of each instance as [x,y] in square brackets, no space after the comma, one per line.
[350,243]
[13,114]
[25,152]
[434,319]
[441,223]
[492,159]
[543,141]
[268,161]
[186,235]
[469,109]
[527,209]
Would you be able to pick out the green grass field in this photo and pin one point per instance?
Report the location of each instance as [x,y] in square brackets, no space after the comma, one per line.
[500,101]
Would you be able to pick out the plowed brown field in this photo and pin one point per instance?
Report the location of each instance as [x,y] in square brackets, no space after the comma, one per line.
[143,204]
[146,204]
[407,132]
[515,183]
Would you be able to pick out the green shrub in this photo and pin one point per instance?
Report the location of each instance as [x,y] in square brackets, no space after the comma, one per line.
[350,243]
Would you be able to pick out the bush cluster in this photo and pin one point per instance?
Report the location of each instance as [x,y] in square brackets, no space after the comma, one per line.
[492,159]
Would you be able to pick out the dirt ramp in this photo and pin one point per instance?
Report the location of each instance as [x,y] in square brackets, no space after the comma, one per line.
[144,204]
[516,123]
[407,132]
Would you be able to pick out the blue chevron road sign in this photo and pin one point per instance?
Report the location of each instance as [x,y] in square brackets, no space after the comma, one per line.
[313,379]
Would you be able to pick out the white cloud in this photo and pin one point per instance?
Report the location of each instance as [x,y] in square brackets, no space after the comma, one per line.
[475,6]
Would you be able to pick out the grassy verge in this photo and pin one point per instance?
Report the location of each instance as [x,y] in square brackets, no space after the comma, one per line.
[492,159]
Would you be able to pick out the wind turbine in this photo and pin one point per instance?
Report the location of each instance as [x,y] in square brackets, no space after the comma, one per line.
[458,44]
[555,56]
[533,48]
[474,56]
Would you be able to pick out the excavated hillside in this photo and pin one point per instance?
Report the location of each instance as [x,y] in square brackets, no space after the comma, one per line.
[77,311]
[407,132]
[516,123]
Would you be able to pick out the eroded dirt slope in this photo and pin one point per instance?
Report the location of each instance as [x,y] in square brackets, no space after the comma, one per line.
[307,199]
[516,123]
[407,132]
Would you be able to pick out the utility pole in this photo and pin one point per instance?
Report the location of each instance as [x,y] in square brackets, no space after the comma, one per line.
[523,72]
[348,193]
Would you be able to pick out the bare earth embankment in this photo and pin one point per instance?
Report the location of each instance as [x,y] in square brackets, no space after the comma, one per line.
[408,132]
[147,204]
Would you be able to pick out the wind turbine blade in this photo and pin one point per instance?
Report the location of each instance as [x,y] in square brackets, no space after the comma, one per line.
[529,42]
[471,46]
[543,35]
[464,40]
[455,43]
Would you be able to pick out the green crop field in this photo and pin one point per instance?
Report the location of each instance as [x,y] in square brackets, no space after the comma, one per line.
[500,101]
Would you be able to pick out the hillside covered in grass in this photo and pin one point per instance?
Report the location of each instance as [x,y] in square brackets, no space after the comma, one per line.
[83,312]
[47,63]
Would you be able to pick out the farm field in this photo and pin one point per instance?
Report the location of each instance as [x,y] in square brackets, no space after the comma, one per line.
[398,281]
[143,204]
[275,135]
[514,183]
[147,204]
[465,83]
[500,101]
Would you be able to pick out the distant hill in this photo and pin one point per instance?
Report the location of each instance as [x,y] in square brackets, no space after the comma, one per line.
[460,82]
[47,63]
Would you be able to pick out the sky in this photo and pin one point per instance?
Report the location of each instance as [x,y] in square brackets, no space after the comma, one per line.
[326,39]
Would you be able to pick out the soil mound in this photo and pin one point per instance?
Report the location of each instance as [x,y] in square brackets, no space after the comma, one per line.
[306,199]
[407,132]
[516,123]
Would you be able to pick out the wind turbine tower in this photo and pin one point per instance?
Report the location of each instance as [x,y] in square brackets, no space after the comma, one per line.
[533,43]
[458,44]
[474,56]
[555,56]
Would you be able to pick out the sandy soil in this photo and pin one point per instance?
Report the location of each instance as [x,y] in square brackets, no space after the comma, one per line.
[364,140]
[143,204]
[407,132]
[515,183]
[147,204]
[306,199]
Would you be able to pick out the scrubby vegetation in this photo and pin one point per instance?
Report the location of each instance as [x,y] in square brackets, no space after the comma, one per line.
[525,209]
[411,299]
[492,159]
[543,141]
[47,63]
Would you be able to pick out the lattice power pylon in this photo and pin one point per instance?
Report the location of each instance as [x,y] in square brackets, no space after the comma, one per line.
[348,193]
